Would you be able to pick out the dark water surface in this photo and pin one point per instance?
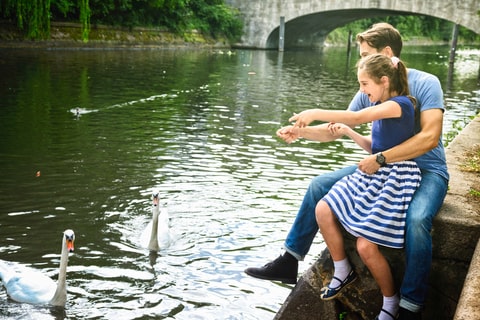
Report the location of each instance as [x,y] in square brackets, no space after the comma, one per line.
[87,135]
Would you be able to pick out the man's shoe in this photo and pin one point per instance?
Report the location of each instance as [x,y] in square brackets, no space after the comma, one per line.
[284,269]
[405,314]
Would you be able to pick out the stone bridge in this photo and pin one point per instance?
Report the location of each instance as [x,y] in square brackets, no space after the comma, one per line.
[308,22]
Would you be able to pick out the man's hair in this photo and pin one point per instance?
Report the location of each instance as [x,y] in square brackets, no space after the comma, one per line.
[382,35]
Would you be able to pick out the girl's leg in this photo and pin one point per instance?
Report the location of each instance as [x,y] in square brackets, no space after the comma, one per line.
[333,237]
[380,270]
[330,230]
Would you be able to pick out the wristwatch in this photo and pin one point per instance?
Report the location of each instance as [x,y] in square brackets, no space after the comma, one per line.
[381,159]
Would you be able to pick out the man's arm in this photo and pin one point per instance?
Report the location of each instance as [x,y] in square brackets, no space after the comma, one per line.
[431,122]
[319,133]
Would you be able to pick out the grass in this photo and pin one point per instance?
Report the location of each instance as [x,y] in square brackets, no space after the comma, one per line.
[471,163]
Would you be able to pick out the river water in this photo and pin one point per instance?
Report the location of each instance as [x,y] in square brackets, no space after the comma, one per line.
[87,135]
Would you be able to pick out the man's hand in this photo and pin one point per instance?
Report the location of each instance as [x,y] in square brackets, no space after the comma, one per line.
[369,165]
[289,134]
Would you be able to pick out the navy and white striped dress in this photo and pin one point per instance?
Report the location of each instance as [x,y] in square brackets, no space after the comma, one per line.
[374,206]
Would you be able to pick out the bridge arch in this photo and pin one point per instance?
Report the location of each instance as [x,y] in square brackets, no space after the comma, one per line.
[308,22]
[311,30]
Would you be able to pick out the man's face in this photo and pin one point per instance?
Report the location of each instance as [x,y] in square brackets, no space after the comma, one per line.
[366,50]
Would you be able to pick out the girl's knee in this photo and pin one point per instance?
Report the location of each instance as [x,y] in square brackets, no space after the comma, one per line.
[322,208]
[366,248]
[323,213]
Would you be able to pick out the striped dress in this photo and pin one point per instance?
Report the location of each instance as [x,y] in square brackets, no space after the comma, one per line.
[374,206]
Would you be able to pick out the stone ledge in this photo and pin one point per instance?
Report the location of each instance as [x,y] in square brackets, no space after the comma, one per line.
[459,217]
[468,216]
[468,306]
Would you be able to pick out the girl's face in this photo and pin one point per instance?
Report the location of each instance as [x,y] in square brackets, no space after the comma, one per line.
[375,91]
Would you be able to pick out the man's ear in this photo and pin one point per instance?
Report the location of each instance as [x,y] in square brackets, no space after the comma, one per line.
[388,51]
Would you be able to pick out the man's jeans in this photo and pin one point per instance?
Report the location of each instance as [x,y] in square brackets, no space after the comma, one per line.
[425,204]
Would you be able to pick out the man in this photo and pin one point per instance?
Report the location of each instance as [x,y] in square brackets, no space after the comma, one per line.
[425,148]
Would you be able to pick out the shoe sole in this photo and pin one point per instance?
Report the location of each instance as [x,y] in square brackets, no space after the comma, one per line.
[283,280]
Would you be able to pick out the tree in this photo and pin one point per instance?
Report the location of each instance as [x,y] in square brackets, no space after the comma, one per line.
[85,19]
[32,16]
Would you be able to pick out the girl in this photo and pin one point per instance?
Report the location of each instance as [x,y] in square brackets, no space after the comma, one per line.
[370,205]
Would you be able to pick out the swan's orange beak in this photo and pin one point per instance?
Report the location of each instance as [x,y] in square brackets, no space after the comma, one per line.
[70,247]
[155,201]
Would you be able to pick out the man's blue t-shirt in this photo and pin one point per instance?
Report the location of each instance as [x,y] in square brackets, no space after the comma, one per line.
[427,90]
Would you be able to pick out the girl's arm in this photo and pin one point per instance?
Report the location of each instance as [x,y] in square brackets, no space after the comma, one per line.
[387,109]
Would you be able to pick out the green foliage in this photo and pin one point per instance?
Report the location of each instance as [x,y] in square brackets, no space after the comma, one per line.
[471,163]
[409,26]
[32,16]
[457,126]
[211,17]
[474,192]
[85,19]
[468,35]
[64,7]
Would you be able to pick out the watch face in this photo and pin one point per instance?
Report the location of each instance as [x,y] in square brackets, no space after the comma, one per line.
[380,159]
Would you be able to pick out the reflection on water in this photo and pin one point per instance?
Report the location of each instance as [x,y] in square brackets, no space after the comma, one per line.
[87,136]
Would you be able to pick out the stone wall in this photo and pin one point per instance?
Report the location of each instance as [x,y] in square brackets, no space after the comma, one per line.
[468,306]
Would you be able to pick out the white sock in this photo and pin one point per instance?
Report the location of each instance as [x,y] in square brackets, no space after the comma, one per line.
[390,304]
[342,269]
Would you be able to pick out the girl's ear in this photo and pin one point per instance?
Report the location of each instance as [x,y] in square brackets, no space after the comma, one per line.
[385,81]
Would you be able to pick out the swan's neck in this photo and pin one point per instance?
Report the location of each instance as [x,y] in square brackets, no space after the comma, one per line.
[60,296]
[153,243]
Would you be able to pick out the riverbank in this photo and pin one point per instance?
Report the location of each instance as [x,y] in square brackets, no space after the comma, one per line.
[69,35]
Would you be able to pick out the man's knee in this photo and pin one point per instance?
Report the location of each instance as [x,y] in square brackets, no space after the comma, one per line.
[318,186]
[418,223]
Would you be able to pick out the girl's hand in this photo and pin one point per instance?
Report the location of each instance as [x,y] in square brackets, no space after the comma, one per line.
[338,129]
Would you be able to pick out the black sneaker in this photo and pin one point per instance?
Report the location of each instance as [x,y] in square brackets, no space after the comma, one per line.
[405,314]
[284,269]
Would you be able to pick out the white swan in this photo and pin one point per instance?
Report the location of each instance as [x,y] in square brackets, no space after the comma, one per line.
[156,234]
[31,286]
